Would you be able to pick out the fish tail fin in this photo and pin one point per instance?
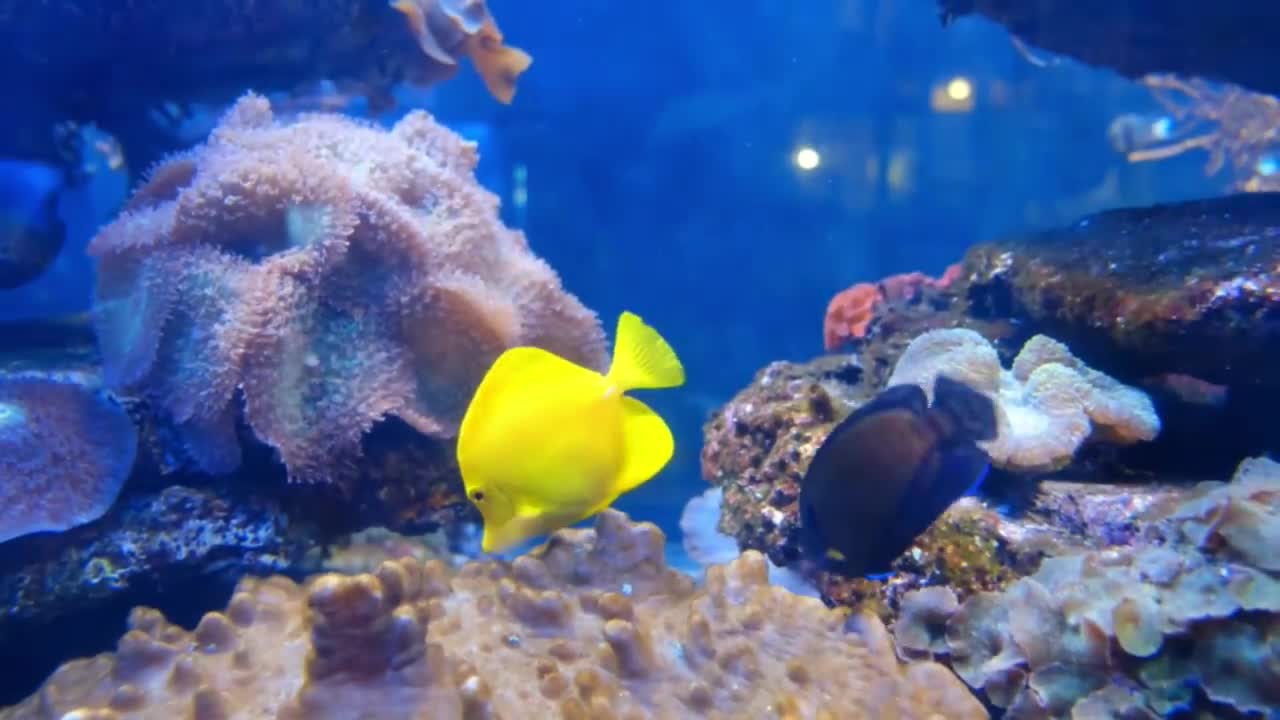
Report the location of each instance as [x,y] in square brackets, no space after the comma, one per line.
[648,445]
[499,67]
[642,359]
[973,412]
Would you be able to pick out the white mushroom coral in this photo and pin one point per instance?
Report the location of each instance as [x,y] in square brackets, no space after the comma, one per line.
[1047,406]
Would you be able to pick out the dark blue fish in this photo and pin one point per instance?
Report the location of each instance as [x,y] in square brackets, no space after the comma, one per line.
[31,230]
[888,471]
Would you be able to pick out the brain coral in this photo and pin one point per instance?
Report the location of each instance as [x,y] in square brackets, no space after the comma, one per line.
[332,272]
[1047,406]
[65,452]
[591,625]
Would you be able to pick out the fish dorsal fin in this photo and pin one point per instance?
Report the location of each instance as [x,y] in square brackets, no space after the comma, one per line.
[517,369]
[642,360]
[647,445]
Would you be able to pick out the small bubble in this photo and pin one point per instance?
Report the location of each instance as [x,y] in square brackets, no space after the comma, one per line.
[512,641]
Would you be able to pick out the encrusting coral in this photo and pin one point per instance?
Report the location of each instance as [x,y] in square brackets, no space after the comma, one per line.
[1188,620]
[851,312]
[332,272]
[1047,405]
[591,625]
[65,453]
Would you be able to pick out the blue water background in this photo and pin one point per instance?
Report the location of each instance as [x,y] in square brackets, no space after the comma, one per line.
[656,141]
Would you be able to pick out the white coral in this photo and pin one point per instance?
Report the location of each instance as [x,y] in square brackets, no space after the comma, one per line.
[1047,405]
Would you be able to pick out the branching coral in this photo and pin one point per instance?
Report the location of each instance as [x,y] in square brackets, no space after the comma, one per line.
[65,453]
[1046,406]
[592,624]
[1232,124]
[333,273]
[1129,632]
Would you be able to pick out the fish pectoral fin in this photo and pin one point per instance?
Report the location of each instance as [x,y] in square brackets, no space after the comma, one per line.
[647,445]
[642,359]
[500,66]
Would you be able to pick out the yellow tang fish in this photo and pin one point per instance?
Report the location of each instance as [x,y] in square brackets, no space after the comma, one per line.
[546,443]
[448,29]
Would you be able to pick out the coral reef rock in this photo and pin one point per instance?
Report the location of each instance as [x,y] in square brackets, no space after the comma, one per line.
[1047,405]
[592,624]
[759,445]
[332,273]
[147,541]
[1184,288]
[164,528]
[1190,621]
[1137,37]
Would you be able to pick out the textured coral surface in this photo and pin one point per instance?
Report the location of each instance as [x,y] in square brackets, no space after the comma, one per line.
[591,625]
[759,445]
[1047,405]
[1186,618]
[331,272]
[1180,288]
[852,311]
[65,453]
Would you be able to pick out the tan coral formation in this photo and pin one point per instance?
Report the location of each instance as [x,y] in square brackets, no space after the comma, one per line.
[1135,632]
[1047,406]
[591,625]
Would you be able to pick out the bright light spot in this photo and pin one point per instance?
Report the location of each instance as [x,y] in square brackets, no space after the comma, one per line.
[11,414]
[960,89]
[1268,166]
[1162,127]
[956,95]
[807,158]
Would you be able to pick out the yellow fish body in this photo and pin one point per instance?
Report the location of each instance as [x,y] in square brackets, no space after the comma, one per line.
[448,29]
[546,443]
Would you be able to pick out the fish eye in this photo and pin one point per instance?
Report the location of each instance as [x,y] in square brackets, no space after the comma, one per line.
[478,496]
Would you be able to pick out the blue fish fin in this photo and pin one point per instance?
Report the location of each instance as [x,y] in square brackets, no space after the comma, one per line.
[982,477]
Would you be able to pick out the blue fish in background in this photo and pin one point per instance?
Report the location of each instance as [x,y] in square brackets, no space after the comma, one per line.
[888,471]
[31,231]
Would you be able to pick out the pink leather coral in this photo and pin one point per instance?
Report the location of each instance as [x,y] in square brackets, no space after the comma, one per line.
[333,273]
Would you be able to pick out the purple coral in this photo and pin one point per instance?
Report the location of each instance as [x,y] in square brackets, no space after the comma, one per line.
[65,452]
[332,272]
